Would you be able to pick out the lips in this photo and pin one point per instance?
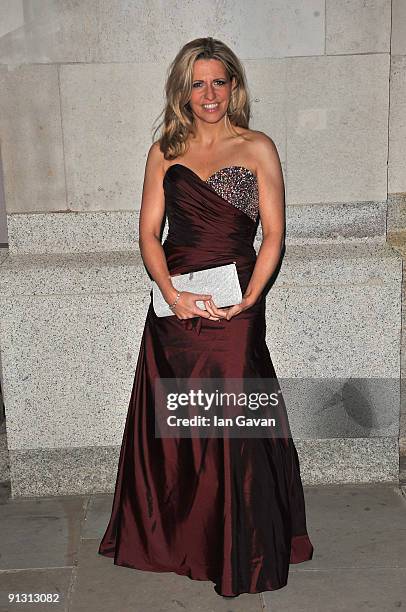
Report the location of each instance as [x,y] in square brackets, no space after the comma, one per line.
[211,108]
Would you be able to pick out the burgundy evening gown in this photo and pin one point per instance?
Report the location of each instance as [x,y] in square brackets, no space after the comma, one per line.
[228,510]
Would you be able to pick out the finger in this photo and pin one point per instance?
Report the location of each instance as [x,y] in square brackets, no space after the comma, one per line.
[203,313]
[218,312]
[200,311]
[232,312]
[202,297]
[208,307]
[210,310]
[214,305]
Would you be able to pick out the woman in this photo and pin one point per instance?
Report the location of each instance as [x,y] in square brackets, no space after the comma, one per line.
[229,510]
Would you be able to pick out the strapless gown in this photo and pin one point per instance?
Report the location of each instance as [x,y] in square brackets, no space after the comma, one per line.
[226,510]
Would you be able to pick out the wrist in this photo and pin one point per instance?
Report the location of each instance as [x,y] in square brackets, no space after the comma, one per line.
[170,295]
[251,297]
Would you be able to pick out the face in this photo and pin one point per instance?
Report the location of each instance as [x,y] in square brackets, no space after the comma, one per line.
[211,90]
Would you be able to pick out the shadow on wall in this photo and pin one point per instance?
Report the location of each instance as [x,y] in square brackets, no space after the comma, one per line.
[2,409]
[3,217]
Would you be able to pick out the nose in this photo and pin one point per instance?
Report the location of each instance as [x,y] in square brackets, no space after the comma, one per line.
[210,93]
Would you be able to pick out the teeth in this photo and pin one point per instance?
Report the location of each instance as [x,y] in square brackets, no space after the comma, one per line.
[210,105]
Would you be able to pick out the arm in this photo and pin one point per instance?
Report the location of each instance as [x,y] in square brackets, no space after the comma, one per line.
[272,214]
[152,253]
[151,215]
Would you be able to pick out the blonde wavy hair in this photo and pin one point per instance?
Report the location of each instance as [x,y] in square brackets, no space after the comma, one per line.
[178,121]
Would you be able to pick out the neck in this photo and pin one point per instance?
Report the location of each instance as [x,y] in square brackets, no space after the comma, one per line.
[209,134]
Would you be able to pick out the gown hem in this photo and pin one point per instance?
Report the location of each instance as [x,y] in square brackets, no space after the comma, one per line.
[191,574]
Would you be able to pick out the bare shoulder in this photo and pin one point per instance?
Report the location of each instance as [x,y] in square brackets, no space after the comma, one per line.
[260,150]
[152,203]
[263,150]
[268,166]
[155,159]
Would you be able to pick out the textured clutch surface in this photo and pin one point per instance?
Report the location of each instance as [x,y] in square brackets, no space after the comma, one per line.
[221,282]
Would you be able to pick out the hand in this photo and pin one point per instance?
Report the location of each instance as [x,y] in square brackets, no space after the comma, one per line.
[215,313]
[231,311]
[186,307]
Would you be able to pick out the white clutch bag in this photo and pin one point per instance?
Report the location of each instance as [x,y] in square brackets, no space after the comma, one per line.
[221,282]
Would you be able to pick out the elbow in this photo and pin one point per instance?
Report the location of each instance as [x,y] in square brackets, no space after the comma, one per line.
[275,238]
[142,240]
[145,239]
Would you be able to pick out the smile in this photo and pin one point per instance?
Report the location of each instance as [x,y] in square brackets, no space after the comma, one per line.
[210,107]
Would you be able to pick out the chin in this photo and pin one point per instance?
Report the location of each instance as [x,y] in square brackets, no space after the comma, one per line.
[212,118]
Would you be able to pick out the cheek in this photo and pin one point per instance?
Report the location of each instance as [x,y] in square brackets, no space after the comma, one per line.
[195,95]
[222,93]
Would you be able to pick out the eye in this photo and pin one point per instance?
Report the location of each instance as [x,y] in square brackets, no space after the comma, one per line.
[220,82]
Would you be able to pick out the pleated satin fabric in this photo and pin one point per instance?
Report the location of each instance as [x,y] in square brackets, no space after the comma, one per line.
[227,510]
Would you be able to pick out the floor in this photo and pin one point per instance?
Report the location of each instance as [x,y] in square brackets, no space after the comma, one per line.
[49,546]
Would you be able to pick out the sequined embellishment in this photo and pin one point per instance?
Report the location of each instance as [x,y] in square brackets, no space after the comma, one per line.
[238,185]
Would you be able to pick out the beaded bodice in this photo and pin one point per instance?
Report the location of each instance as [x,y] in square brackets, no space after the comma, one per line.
[238,185]
[210,220]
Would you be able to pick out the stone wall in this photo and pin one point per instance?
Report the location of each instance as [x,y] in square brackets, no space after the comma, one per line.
[81,84]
